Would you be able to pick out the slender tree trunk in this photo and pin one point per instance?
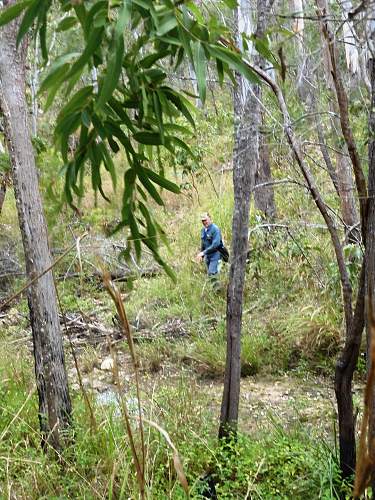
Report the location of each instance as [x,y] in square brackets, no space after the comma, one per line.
[348,359]
[264,198]
[345,367]
[347,201]
[245,160]
[370,251]
[345,184]
[54,400]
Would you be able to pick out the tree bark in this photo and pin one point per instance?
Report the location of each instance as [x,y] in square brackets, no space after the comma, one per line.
[52,385]
[370,253]
[338,108]
[245,160]
[345,367]
[347,201]
[264,198]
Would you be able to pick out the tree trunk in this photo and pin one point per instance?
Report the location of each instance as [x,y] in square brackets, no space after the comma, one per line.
[264,198]
[345,185]
[370,250]
[347,202]
[52,385]
[345,367]
[245,161]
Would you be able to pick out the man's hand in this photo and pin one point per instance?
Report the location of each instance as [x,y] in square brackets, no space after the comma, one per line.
[199,257]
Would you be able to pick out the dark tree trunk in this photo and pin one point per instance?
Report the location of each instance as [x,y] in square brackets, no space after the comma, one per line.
[52,385]
[370,250]
[345,367]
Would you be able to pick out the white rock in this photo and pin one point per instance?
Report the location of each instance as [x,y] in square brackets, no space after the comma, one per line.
[107,364]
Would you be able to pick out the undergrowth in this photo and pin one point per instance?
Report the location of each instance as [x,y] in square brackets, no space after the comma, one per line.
[284,463]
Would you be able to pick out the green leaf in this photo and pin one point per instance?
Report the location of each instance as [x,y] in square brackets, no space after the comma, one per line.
[159,115]
[43,37]
[150,188]
[180,103]
[186,41]
[10,13]
[91,46]
[148,138]
[194,9]
[121,113]
[114,129]
[262,47]
[108,163]
[129,184]
[181,144]
[234,61]
[200,68]
[220,71]
[232,4]
[162,181]
[66,23]
[114,66]
[151,59]
[146,4]
[58,67]
[29,17]
[77,102]
[167,24]
[136,235]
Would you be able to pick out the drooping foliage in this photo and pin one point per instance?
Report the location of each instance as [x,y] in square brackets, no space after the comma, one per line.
[131,45]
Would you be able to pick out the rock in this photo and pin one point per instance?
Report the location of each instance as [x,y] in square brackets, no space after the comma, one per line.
[107,364]
[99,385]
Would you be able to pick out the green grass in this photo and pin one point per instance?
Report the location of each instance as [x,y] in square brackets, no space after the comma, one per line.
[280,464]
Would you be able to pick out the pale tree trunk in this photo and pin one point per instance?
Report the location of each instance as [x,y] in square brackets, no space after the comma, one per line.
[347,202]
[245,160]
[52,385]
[34,87]
[350,40]
[264,198]
[298,26]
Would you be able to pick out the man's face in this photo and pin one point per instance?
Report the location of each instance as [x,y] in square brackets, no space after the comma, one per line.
[206,222]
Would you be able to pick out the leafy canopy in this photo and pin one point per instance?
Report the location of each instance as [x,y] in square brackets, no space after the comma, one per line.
[129,44]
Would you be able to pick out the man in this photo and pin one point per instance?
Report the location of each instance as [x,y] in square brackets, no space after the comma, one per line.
[210,244]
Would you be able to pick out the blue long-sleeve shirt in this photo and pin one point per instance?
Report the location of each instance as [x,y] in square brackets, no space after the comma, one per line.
[210,239]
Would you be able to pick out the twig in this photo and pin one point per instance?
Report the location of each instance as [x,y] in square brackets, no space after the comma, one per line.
[29,283]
